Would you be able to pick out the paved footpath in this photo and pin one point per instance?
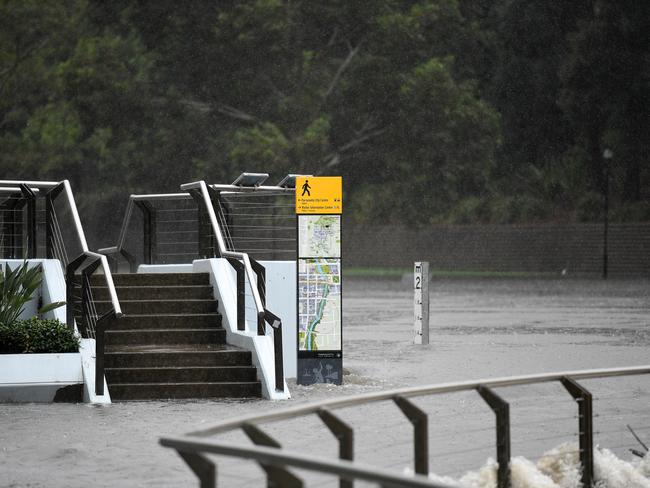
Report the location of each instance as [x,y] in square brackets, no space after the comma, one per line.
[479,329]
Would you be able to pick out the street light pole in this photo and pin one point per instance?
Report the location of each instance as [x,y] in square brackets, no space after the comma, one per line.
[607,156]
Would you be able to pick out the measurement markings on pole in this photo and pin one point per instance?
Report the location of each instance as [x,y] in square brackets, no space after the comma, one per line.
[421,302]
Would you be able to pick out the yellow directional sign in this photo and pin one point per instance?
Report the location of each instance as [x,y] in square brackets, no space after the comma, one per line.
[319,195]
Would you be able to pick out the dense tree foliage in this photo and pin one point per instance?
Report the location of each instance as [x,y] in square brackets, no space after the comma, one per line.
[432,110]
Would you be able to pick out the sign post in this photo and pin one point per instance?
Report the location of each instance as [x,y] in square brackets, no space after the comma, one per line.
[421,302]
[320,339]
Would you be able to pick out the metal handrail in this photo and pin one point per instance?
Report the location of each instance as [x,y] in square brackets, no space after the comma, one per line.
[81,236]
[281,458]
[416,391]
[69,196]
[86,253]
[129,211]
[250,189]
[194,445]
[223,250]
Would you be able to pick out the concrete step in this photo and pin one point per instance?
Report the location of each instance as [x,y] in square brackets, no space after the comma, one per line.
[149,391]
[175,356]
[186,374]
[161,292]
[154,279]
[168,321]
[154,307]
[166,336]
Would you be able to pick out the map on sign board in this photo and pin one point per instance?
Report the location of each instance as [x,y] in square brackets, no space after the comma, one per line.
[320,236]
[319,305]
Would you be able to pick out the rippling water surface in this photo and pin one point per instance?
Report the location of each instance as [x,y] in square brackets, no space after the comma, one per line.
[479,329]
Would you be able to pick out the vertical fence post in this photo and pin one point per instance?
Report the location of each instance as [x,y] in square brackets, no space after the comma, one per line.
[502,411]
[130,258]
[276,325]
[70,297]
[585,425]
[241,292]
[345,435]
[421,302]
[277,477]
[50,218]
[103,323]
[149,231]
[203,468]
[29,195]
[260,272]
[420,422]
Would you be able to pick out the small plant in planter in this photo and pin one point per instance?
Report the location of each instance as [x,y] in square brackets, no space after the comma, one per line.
[17,287]
[37,335]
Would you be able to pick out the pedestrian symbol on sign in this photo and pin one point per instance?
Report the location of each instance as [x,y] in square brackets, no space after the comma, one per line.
[306,188]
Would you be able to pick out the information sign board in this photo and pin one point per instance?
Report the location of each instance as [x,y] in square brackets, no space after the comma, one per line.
[320,340]
[319,195]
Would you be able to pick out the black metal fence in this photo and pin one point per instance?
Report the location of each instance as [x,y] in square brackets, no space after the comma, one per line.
[455,427]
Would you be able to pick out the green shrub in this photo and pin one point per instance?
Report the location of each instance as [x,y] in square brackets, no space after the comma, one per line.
[17,287]
[36,336]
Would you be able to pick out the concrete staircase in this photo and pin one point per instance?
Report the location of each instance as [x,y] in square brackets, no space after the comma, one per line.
[170,343]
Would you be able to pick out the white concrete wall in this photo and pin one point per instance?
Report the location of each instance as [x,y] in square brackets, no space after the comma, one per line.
[37,377]
[53,288]
[281,300]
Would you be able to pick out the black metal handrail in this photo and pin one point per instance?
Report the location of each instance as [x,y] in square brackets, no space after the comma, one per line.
[92,325]
[144,203]
[195,444]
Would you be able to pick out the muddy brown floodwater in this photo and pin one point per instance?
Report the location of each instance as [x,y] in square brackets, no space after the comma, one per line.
[479,329]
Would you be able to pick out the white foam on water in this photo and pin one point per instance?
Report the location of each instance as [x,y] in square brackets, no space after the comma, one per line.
[559,468]
[612,472]
[562,465]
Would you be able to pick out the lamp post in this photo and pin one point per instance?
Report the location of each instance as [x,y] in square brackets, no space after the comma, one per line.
[607,156]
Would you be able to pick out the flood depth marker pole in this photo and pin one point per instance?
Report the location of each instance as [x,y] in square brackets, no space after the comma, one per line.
[421,302]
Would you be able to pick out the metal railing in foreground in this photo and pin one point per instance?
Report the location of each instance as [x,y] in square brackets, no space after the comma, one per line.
[58,246]
[274,460]
[247,271]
